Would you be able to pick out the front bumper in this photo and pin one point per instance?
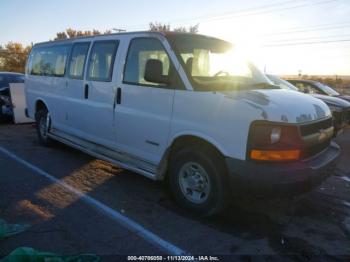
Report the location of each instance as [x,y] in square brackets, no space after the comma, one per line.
[263,179]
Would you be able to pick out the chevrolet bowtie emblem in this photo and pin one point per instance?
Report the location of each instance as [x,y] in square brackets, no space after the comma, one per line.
[322,134]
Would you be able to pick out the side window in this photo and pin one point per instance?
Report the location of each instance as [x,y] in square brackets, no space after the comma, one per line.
[49,61]
[101,60]
[77,60]
[140,51]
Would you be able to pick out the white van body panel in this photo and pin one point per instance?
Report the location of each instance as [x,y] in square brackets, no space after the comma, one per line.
[36,90]
[224,118]
[142,119]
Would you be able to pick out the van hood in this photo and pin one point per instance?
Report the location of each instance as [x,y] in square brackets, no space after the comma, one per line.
[333,101]
[281,105]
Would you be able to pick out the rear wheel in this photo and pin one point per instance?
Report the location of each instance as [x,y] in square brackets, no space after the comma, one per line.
[198,180]
[43,122]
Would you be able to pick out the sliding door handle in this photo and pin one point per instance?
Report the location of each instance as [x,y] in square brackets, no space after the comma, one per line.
[86,91]
[119,96]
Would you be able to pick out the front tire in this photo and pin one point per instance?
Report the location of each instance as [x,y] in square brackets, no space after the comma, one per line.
[43,122]
[198,180]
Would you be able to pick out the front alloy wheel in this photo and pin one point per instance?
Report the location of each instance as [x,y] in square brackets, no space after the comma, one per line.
[194,182]
[198,180]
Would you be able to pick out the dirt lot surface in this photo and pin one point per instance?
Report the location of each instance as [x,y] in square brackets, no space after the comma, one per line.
[314,226]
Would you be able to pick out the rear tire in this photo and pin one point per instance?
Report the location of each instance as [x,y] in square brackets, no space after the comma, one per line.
[43,123]
[198,180]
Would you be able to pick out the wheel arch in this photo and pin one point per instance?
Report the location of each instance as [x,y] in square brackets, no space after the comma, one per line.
[40,104]
[182,140]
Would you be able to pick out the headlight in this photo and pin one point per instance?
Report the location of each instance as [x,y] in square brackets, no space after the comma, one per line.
[275,135]
[273,142]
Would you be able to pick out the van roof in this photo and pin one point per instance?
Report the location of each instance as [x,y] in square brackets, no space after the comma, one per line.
[163,33]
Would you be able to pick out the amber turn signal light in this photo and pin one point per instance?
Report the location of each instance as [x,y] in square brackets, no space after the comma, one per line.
[272,155]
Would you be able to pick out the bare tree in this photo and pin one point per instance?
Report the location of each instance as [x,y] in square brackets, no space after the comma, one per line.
[72,33]
[156,26]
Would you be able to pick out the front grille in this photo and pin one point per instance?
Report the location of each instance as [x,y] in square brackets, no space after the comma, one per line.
[348,116]
[341,118]
[317,148]
[344,117]
[313,128]
[313,145]
[338,119]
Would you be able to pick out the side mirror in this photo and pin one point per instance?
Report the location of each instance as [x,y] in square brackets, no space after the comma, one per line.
[154,72]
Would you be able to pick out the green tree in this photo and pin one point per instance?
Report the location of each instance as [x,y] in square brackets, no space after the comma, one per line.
[13,57]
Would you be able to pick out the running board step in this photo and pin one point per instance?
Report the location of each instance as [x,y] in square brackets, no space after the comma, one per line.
[115,157]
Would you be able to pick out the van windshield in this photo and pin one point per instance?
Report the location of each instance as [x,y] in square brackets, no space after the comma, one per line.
[213,64]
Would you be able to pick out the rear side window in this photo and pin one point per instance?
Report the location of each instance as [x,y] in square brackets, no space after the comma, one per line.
[140,51]
[49,61]
[101,61]
[77,60]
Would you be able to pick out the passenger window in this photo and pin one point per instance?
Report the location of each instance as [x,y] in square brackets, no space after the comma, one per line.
[77,60]
[101,61]
[140,51]
[49,61]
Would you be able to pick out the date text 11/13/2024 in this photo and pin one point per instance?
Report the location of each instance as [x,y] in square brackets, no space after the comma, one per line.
[173,258]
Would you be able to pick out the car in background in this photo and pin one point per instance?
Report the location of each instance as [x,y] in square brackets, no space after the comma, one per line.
[6,108]
[339,107]
[314,87]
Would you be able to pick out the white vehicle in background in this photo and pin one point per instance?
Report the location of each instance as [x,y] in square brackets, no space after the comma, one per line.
[180,107]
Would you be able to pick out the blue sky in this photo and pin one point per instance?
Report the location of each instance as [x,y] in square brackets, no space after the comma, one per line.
[252,25]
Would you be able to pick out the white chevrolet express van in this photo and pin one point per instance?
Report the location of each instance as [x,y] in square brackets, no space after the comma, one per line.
[181,107]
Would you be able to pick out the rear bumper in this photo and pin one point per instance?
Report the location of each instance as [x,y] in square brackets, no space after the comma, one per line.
[281,179]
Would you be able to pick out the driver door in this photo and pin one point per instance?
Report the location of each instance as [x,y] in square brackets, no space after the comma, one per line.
[144,109]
